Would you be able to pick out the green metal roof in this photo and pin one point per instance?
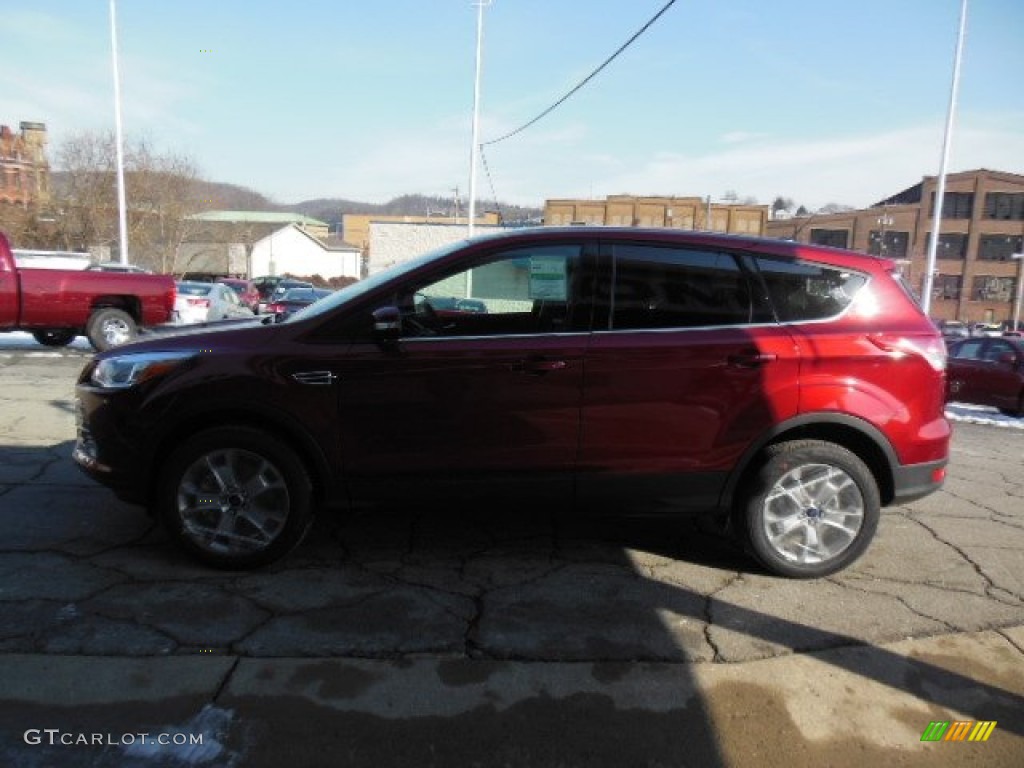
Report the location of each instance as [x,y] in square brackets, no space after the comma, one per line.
[257,217]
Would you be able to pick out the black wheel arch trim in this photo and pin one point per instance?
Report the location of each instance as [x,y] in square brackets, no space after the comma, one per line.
[807,426]
[212,414]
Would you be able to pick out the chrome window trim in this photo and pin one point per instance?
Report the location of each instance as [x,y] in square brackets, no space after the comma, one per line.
[432,339]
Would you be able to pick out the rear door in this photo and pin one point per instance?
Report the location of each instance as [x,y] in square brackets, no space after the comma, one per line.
[686,367]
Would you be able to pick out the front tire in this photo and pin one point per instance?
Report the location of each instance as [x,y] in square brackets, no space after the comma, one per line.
[235,497]
[811,509]
[110,327]
[58,337]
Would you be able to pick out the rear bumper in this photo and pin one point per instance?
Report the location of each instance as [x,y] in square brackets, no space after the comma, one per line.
[914,481]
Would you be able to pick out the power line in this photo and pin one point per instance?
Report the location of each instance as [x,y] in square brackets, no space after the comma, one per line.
[585,80]
[490,181]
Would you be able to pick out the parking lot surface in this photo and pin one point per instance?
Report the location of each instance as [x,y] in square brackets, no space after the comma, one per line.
[415,636]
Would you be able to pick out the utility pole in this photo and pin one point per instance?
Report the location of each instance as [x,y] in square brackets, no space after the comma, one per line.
[122,208]
[476,112]
[1020,288]
[940,191]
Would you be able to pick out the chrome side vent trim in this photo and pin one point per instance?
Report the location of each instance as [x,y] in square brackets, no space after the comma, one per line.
[316,378]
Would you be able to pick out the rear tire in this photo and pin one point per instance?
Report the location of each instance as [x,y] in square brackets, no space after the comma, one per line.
[811,509]
[59,337]
[109,327]
[235,497]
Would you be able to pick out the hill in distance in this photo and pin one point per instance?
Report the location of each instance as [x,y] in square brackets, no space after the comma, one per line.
[214,195]
[331,209]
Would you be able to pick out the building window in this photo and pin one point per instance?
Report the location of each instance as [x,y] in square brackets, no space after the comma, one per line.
[892,245]
[947,287]
[1004,205]
[998,247]
[955,205]
[989,288]
[837,238]
[951,246]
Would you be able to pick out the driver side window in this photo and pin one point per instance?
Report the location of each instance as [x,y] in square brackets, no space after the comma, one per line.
[521,292]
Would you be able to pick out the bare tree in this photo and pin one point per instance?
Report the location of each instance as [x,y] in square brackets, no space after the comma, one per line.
[781,204]
[160,191]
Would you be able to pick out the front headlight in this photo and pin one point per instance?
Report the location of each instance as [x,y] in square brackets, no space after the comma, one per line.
[127,370]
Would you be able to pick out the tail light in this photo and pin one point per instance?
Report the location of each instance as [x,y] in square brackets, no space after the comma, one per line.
[275,309]
[931,348]
[198,303]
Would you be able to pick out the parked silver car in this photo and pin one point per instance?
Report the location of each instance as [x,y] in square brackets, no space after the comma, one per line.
[203,302]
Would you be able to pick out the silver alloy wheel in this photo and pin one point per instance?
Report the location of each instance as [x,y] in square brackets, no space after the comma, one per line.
[232,502]
[116,331]
[813,513]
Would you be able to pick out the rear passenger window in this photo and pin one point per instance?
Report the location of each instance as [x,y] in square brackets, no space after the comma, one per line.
[968,350]
[657,287]
[802,291]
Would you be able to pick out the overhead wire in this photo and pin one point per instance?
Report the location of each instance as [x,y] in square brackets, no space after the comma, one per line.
[490,181]
[564,98]
[585,80]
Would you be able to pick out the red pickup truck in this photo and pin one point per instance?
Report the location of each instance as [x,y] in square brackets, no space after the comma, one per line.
[55,305]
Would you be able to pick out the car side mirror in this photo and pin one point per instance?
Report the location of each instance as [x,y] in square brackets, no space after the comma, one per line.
[387,324]
[1008,358]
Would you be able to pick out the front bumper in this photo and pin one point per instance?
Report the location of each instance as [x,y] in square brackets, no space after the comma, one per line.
[105,448]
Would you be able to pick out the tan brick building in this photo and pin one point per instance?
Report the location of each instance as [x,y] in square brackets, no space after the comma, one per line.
[673,212]
[24,170]
[982,226]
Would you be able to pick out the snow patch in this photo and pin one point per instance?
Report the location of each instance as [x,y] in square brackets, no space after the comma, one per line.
[981,414]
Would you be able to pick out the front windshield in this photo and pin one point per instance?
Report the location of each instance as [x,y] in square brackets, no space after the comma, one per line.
[356,290]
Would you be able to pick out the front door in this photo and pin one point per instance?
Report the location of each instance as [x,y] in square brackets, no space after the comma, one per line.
[481,395]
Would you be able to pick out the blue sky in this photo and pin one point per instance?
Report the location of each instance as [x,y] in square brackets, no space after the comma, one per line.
[818,101]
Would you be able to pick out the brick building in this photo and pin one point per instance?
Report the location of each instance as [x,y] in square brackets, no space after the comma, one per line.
[674,212]
[982,227]
[24,170]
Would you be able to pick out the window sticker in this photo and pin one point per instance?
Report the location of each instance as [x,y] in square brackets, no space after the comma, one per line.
[547,278]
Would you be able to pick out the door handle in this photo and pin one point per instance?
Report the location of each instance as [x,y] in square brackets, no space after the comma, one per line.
[537,366]
[752,359]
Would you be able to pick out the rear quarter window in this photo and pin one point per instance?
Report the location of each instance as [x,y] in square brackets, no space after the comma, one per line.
[805,291]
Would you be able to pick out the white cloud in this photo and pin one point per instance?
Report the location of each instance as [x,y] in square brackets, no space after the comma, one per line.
[853,170]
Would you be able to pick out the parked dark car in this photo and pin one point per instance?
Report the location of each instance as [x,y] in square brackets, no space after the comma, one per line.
[294,299]
[988,371]
[789,390]
[269,285]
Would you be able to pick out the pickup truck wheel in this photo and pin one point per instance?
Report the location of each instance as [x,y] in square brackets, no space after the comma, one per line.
[109,327]
[811,509]
[55,338]
[235,497]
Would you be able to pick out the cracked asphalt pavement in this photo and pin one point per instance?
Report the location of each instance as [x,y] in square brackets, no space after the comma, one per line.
[527,638]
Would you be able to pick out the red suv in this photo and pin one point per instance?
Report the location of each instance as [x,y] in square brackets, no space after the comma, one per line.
[790,390]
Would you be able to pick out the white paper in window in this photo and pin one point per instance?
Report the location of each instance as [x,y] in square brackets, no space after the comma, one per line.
[548,278]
